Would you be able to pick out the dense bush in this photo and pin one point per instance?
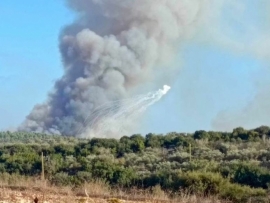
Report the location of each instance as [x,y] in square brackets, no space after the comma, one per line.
[208,183]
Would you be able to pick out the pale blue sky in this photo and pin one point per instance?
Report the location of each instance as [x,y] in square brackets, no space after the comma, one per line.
[29,57]
[212,79]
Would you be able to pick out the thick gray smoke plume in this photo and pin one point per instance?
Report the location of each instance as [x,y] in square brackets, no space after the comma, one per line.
[111,50]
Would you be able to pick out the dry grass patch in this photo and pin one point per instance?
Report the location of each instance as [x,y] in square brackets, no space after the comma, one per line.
[94,192]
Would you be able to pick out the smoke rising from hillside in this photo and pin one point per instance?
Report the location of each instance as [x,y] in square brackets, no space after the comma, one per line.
[109,52]
[253,41]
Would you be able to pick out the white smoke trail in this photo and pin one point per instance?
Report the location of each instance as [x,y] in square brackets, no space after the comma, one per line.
[110,119]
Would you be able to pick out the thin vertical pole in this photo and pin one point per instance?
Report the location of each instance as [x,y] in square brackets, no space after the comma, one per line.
[42,167]
[190,152]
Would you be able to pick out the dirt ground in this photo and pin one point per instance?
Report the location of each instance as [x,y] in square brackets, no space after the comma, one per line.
[50,195]
[32,196]
[35,196]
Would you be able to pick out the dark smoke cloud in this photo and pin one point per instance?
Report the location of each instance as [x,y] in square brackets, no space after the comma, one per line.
[112,49]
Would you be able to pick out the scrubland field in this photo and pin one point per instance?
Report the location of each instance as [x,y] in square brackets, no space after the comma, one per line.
[176,167]
[96,192]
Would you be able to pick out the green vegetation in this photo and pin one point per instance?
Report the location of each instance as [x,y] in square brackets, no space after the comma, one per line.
[232,166]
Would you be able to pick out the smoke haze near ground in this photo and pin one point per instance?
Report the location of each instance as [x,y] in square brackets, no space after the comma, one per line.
[248,36]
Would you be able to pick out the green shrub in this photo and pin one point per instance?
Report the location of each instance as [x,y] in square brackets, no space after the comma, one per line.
[61,179]
[238,193]
[206,183]
[252,175]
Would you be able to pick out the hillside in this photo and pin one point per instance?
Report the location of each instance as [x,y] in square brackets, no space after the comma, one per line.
[228,165]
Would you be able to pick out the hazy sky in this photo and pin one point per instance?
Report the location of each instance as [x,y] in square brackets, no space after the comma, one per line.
[217,82]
